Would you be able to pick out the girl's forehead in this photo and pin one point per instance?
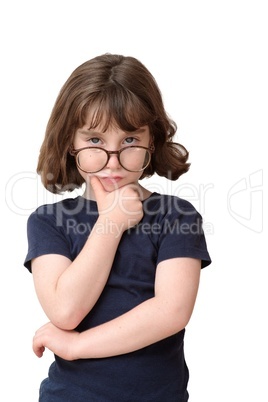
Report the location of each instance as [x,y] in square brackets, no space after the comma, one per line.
[124,115]
[104,122]
[100,120]
[112,128]
[100,123]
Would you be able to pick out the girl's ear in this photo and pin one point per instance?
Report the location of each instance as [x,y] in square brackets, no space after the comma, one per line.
[71,150]
[151,146]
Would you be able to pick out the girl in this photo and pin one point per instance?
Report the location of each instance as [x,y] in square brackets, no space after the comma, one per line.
[117,269]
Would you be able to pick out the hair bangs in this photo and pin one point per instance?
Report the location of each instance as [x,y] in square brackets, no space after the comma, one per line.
[120,108]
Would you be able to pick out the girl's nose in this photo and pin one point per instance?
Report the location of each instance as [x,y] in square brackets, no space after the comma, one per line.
[113,162]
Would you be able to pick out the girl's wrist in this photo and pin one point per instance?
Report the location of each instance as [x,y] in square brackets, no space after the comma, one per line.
[106,227]
[80,347]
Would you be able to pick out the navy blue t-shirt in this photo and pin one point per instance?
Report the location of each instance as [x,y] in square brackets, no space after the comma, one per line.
[170,228]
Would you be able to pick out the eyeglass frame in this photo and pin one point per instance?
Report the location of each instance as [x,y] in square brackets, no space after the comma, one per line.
[75,152]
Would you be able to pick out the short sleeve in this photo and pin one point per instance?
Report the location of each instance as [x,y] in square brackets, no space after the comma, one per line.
[182,235]
[44,236]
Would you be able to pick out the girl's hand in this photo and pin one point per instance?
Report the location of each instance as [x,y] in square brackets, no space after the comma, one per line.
[121,207]
[59,341]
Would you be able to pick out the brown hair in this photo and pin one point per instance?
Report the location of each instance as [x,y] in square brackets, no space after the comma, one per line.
[116,89]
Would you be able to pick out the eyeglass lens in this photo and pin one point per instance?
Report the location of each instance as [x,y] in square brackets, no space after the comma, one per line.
[134,159]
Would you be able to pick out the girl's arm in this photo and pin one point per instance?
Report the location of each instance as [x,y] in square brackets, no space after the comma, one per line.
[165,314]
[67,290]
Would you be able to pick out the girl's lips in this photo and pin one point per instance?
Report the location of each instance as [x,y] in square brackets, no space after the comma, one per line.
[111,179]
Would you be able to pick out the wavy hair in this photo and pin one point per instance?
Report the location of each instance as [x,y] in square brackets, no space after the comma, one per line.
[114,89]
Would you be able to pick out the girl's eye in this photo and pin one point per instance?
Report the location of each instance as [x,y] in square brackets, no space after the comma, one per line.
[130,140]
[94,140]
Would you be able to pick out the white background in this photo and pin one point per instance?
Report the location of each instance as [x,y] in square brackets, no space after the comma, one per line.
[210,60]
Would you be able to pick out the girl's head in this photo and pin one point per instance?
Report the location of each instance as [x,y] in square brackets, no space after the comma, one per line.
[112,90]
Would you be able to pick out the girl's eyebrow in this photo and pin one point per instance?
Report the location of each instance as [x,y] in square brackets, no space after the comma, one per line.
[93,132]
[87,132]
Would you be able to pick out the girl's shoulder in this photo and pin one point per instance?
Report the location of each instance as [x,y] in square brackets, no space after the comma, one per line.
[166,203]
[67,206]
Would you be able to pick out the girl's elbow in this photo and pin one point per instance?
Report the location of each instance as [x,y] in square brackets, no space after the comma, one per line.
[66,320]
[179,321]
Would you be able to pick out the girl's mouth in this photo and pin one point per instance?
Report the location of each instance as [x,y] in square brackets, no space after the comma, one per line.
[111,179]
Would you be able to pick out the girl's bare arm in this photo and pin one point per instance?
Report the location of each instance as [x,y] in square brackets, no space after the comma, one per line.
[165,314]
[68,290]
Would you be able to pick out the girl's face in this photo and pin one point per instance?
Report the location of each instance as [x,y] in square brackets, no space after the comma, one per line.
[113,175]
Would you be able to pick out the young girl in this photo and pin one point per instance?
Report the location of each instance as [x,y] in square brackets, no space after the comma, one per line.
[117,269]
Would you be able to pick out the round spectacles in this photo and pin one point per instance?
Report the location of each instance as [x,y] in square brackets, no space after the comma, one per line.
[94,159]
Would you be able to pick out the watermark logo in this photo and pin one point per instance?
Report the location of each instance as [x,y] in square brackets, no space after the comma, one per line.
[245,201]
